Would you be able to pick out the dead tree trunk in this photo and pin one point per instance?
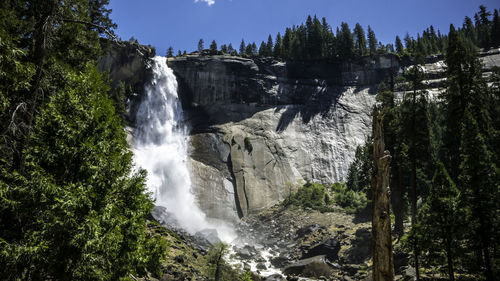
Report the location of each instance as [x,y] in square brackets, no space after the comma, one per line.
[383,266]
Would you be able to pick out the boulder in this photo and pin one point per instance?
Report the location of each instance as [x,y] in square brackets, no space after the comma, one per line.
[329,248]
[275,277]
[311,267]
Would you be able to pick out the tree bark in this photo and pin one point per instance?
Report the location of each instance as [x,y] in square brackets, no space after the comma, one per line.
[383,265]
[397,201]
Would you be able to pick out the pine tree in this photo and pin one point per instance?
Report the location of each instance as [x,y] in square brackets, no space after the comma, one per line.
[495,29]
[309,40]
[231,50]
[328,40]
[399,46]
[409,44]
[213,47]
[287,44]
[462,70]
[278,47]
[269,46]
[359,40]
[77,196]
[254,50]
[483,27]
[262,49]
[71,208]
[242,47]
[372,41]
[441,221]
[201,46]
[479,179]
[223,49]
[170,52]
[415,104]
[346,42]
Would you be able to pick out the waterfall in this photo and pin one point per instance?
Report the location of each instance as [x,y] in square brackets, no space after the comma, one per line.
[160,147]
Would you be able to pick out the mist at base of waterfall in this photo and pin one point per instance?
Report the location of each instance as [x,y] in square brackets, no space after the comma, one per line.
[160,147]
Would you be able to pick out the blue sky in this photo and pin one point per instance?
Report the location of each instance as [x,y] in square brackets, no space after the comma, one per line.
[181,23]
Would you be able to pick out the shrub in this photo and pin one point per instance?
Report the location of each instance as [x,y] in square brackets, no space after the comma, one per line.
[310,195]
[350,200]
[248,145]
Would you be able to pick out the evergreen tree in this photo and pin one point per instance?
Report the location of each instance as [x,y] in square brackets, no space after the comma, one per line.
[242,47]
[372,41]
[315,39]
[441,221]
[269,46]
[77,213]
[99,17]
[278,47]
[223,49]
[262,49]
[495,29]
[409,43]
[359,40]
[309,40]
[346,42]
[70,207]
[254,50]
[213,47]
[479,178]
[483,27]
[231,50]
[201,45]
[170,52]
[287,44]
[463,69]
[328,50]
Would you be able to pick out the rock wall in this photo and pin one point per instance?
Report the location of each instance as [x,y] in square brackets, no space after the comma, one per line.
[258,126]
[127,63]
[263,126]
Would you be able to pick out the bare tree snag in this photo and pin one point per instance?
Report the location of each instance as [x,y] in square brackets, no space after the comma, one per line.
[383,266]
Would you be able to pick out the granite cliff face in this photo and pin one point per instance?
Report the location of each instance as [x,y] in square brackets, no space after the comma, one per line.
[260,126]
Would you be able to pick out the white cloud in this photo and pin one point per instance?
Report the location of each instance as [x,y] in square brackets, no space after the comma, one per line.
[209,2]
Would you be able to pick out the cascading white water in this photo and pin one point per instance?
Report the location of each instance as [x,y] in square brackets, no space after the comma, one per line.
[160,147]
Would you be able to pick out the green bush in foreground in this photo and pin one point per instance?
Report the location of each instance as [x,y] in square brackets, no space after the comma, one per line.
[78,212]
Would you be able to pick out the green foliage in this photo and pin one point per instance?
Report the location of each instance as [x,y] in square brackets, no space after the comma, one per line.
[248,144]
[213,46]
[351,200]
[310,195]
[79,214]
[457,227]
[440,227]
[360,40]
[372,42]
[360,171]
[170,52]
[218,268]
[70,206]
[247,276]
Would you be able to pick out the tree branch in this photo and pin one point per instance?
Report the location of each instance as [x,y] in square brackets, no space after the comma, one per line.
[103,29]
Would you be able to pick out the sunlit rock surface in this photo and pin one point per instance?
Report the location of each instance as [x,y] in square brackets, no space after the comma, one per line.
[262,125]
